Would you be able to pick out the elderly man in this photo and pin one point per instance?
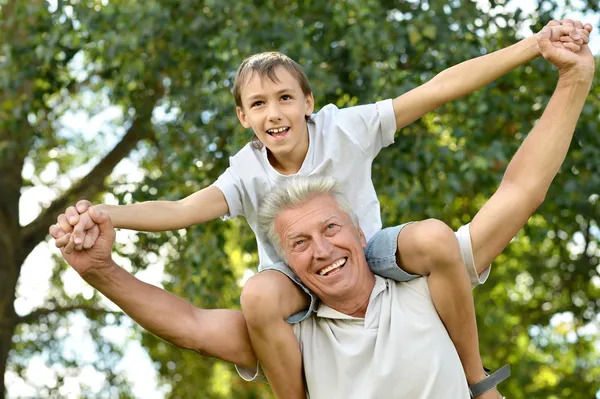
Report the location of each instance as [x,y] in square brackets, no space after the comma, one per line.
[371,337]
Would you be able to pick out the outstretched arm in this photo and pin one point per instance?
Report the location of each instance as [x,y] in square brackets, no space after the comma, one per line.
[202,206]
[471,75]
[218,333]
[532,169]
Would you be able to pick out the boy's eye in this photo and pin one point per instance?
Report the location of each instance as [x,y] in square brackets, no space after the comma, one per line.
[257,103]
[286,97]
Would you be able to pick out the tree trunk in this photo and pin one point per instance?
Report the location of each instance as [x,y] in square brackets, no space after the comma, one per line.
[7,329]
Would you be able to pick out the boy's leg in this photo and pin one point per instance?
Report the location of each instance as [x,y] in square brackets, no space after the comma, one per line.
[430,248]
[268,299]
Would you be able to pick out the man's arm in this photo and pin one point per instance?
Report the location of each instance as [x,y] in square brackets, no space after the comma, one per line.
[532,169]
[218,333]
[471,75]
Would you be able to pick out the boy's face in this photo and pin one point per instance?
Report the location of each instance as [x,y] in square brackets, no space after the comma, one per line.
[276,111]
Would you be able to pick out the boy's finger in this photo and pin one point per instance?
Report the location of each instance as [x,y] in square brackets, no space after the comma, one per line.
[572,46]
[55,231]
[72,215]
[567,22]
[553,23]
[63,224]
[578,24]
[83,205]
[570,39]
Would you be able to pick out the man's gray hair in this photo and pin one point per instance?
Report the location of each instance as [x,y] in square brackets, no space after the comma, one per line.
[293,193]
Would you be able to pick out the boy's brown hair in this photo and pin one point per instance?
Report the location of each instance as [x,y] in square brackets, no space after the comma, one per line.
[265,64]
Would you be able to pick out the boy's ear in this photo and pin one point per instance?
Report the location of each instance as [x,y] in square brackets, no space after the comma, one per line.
[310,105]
[242,117]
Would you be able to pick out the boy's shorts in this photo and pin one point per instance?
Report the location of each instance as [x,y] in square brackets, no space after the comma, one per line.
[381,257]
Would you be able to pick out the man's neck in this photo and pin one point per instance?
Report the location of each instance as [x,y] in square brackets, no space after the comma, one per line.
[356,303]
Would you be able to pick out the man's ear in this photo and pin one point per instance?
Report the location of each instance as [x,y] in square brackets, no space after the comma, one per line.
[310,105]
[242,117]
[363,239]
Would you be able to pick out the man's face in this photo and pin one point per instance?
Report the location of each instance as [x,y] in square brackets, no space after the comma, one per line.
[324,249]
[276,111]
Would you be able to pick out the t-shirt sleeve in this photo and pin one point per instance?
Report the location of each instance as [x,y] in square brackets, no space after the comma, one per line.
[230,184]
[466,250]
[251,375]
[371,127]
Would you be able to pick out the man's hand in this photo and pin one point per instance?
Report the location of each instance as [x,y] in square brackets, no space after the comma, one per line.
[559,44]
[93,259]
[76,220]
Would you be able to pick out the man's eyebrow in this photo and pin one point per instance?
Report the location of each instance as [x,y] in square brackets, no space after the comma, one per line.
[328,218]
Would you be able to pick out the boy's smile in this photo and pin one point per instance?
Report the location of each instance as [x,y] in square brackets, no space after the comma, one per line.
[276,110]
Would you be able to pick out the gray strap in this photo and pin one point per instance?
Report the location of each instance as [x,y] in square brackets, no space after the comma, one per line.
[490,382]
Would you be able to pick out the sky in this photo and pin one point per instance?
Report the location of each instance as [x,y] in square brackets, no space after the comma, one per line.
[36,272]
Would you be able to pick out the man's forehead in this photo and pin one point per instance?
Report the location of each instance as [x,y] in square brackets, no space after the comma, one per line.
[311,214]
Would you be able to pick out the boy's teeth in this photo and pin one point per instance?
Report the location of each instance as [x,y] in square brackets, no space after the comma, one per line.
[281,129]
[333,266]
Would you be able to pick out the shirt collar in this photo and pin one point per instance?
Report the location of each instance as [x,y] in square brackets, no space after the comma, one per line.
[330,313]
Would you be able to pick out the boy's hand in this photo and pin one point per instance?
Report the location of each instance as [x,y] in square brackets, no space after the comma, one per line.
[573,61]
[77,221]
[92,260]
[570,39]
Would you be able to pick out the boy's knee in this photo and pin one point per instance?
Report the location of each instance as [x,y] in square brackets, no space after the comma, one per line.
[261,297]
[435,243]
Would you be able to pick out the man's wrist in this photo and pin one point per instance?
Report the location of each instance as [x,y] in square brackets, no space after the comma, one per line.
[99,277]
[575,77]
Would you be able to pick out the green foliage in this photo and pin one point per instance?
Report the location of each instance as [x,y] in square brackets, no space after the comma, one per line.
[178,58]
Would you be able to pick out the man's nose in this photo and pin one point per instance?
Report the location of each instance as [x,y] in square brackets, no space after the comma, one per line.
[322,248]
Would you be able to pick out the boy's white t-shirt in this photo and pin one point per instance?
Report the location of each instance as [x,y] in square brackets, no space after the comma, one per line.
[342,144]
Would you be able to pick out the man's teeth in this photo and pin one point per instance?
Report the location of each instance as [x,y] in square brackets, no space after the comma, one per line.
[281,129]
[333,266]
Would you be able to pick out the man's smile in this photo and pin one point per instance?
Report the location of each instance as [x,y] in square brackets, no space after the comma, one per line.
[333,268]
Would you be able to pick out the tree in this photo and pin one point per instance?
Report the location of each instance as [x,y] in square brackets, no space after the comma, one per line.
[168,66]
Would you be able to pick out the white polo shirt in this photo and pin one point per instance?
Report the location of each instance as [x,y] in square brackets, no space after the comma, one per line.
[400,349]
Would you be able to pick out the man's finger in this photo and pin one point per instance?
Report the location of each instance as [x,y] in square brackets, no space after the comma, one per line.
[63,224]
[553,23]
[83,205]
[70,247]
[90,237]
[578,24]
[588,27]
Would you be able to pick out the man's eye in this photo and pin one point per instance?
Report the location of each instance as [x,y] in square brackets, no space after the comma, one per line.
[331,225]
[299,242]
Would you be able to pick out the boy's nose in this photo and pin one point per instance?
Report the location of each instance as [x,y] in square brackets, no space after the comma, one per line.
[275,113]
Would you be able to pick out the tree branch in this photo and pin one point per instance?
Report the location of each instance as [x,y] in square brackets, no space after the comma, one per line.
[93,183]
[41,312]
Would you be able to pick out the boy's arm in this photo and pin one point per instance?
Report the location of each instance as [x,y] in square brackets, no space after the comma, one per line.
[471,75]
[204,205]
[532,169]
